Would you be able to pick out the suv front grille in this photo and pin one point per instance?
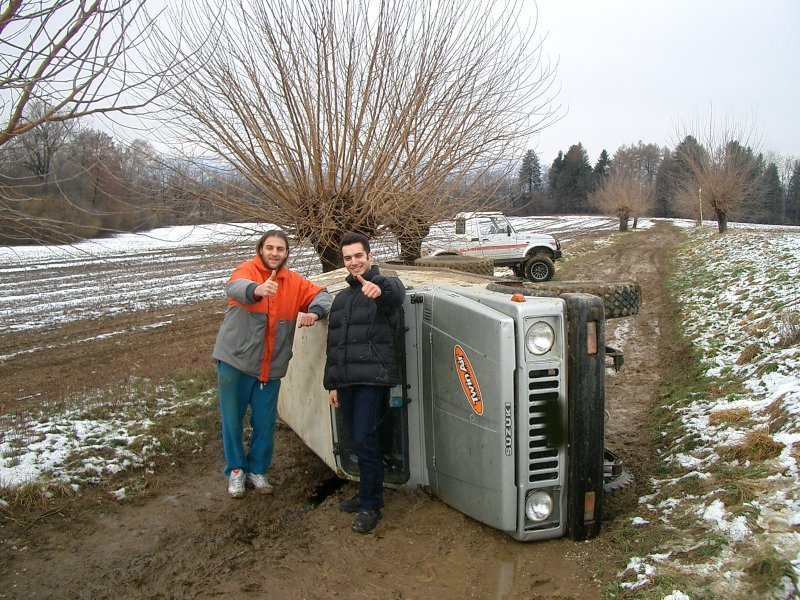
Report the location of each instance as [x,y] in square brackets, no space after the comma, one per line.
[544,425]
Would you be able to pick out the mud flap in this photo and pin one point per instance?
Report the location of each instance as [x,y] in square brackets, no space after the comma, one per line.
[586,418]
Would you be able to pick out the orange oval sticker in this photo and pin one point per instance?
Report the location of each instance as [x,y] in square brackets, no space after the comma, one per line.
[469,383]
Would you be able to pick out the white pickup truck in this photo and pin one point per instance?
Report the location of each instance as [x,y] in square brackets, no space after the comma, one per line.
[489,235]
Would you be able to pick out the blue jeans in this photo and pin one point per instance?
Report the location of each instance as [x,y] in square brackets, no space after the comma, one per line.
[237,391]
[361,407]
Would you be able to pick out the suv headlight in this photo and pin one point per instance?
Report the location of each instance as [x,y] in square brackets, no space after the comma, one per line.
[538,506]
[539,338]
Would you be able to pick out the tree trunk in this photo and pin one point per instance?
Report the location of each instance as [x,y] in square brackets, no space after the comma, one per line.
[635,222]
[411,244]
[722,219]
[410,250]
[623,221]
[329,256]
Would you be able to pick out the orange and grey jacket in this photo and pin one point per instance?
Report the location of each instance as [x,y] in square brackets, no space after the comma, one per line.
[257,333]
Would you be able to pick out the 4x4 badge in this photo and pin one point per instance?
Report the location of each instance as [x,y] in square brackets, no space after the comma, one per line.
[469,383]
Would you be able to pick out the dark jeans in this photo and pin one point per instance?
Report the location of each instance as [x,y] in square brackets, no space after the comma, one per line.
[361,407]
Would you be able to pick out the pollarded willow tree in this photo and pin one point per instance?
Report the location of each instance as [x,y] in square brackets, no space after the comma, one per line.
[719,175]
[356,116]
[623,195]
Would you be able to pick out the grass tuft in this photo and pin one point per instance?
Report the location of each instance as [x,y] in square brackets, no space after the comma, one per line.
[748,354]
[729,416]
[789,329]
[767,570]
[757,445]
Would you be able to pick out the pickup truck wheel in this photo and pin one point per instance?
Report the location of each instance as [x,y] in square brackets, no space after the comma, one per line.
[539,268]
[620,298]
[458,262]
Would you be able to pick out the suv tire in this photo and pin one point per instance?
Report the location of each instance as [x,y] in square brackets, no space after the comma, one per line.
[539,268]
[620,298]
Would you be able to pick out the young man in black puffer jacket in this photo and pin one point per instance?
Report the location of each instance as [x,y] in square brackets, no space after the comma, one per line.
[363,362]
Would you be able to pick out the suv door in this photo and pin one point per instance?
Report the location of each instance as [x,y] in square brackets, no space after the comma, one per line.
[499,241]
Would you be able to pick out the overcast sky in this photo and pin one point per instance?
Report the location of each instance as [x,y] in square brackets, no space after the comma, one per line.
[633,70]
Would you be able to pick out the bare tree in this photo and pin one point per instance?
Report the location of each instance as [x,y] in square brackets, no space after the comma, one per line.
[59,61]
[351,116]
[722,178]
[623,195]
[640,164]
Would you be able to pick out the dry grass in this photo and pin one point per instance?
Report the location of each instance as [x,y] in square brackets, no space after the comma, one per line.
[748,354]
[757,445]
[729,416]
[789,328]
[780,419]
[767,570]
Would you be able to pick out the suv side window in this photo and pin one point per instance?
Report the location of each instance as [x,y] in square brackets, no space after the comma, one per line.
[486,226]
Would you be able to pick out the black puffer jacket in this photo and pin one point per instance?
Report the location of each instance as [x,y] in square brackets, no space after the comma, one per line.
[364,334]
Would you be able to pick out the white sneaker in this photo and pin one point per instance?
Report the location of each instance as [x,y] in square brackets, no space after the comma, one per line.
[236,484]
[260,483]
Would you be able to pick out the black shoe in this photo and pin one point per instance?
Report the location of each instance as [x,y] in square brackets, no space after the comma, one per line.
[351,505]
[366,520]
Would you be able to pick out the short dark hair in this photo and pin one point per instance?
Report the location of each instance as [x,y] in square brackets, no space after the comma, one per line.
[355,238]
[273,233]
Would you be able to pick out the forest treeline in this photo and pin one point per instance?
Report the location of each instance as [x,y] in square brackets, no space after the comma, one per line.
[665,182]
[66,181]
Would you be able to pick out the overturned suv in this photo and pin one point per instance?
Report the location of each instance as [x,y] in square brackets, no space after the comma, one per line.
[502,407]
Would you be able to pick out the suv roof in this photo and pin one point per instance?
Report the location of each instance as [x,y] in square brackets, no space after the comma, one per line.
[468,215]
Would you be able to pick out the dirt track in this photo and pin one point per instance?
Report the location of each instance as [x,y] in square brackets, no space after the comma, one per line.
[192,541]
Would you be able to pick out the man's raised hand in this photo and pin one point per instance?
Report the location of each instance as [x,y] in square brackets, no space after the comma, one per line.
[369,289]
[270,287]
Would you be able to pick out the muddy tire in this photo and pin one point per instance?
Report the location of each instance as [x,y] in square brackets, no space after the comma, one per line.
[620,298]
[539,268]
[619,496]
[457,262]
[619,491]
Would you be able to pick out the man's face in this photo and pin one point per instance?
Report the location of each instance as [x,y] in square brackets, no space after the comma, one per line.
[356,260]
[274,252]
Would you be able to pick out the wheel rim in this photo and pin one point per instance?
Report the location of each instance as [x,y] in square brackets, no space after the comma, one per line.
[538,271]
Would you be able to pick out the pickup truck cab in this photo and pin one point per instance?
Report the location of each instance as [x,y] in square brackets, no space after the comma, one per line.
[490,235]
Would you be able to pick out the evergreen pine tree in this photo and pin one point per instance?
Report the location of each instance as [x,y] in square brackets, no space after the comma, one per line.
[575,180]
[600,171]
[771,200]
[554,181]
[530,173]
[793,196]
[664,190]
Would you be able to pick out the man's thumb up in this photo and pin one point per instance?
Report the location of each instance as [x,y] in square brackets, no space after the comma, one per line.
[369,289]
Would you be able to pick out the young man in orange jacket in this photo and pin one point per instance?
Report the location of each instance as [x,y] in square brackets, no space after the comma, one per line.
[266,302]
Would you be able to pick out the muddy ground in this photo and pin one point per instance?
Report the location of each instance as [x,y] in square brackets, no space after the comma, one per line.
[189,540]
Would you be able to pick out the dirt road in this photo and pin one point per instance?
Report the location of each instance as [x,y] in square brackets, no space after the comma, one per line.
[191,541]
